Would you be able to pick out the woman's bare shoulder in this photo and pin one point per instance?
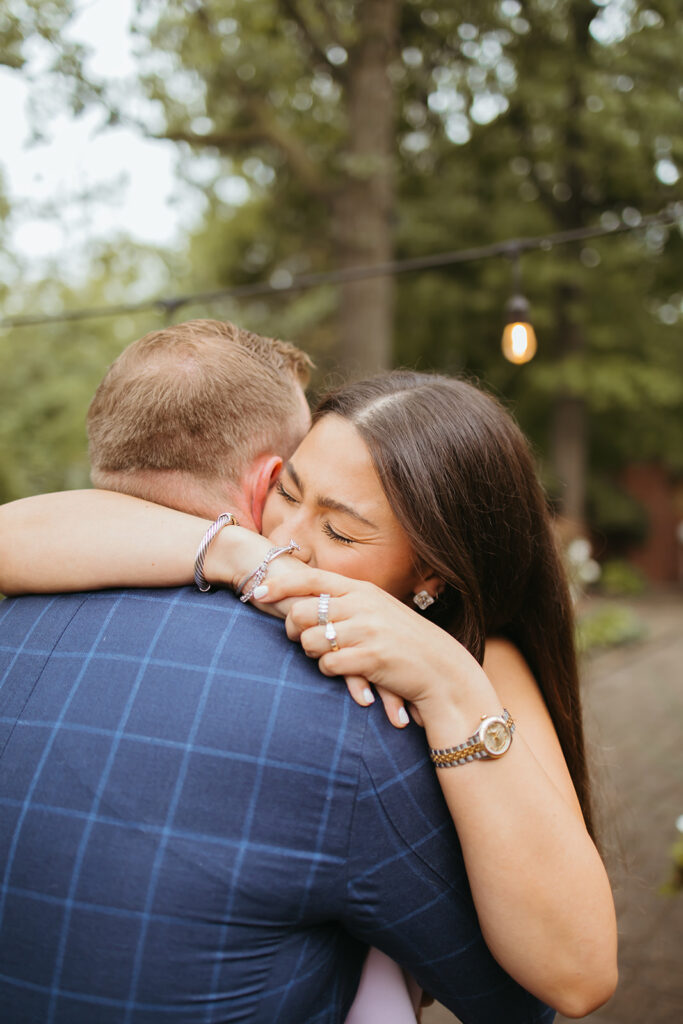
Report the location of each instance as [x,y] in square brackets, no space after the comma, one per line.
[502,660]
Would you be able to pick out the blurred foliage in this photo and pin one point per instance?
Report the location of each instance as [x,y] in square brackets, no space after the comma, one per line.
[609,626]
[621,579]
[509,119]
[48,374]
[23,23]
[675,883]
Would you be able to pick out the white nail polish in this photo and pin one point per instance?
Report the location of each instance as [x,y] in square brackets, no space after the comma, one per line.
[260,592]
[403,716]
[368,695]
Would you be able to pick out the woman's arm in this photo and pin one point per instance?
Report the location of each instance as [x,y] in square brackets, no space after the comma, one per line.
[539,885]
[91,539]
[83,540]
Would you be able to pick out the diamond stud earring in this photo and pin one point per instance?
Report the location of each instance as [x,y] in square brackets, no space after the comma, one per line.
[423,599]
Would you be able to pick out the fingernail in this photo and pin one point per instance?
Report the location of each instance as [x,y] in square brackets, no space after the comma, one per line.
[260,592]
[403,716]
[368,695]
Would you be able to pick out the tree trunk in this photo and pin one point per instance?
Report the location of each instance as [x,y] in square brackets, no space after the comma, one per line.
[569,457]
[569,440]
[570,421]
[363,210]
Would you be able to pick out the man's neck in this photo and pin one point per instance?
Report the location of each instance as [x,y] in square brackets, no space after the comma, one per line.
[196,496]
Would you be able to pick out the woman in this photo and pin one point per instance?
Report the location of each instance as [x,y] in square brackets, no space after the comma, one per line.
[422,485]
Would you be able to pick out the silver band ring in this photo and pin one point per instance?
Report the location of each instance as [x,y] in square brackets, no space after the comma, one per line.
[323,609]
[331,635]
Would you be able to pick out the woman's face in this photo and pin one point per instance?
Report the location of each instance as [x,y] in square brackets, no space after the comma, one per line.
[330,501]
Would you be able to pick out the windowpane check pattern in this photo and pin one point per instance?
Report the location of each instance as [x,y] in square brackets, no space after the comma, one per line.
[197,826]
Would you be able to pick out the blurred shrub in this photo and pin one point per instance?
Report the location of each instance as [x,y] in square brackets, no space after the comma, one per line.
[609,626]
[675,883]
[621,579]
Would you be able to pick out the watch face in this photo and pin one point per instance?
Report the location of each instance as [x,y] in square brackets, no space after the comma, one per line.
[496,736]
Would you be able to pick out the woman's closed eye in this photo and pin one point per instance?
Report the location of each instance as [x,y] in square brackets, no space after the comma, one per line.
[327,527]
[279,487]
[333,535]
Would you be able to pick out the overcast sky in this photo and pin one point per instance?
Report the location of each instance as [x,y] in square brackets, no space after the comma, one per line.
[76,158]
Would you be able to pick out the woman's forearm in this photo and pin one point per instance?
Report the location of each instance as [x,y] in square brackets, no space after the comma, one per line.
[92,540]
[80,540]
[541,891]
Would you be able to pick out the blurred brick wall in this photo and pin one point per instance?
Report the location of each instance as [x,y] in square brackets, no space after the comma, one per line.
[660,557]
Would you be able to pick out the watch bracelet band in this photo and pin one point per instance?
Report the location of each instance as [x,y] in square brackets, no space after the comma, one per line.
[472,749]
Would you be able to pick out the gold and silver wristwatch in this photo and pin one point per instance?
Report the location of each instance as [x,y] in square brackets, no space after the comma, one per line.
[492,739]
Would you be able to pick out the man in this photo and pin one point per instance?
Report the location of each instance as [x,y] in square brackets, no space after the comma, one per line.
[195,824]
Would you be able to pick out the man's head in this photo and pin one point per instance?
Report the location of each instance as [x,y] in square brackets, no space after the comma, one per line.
[198,415]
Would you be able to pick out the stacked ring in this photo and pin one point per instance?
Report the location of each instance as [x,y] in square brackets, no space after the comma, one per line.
[323,609]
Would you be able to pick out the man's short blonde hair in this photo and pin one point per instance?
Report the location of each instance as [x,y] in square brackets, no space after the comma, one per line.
[203,398]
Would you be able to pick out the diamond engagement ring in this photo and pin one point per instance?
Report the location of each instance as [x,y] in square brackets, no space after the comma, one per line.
[323,609]
[331,634]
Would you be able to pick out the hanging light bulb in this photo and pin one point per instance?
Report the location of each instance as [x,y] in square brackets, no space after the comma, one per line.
[519,338]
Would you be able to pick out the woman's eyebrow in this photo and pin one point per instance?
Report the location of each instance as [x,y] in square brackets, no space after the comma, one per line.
[331,503]
[295,476]
[339,506]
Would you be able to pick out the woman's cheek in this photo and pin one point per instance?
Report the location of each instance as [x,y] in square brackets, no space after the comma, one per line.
[349,561]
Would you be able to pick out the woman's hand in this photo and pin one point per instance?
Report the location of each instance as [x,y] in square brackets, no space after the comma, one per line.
[382,641]
[233,558]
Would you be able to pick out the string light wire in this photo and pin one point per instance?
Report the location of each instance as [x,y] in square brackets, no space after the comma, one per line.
[169,305]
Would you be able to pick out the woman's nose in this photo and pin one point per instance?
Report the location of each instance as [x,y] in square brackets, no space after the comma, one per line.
[305,552]
[293,530]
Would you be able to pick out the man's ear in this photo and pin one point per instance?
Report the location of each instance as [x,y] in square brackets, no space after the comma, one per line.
[262,475]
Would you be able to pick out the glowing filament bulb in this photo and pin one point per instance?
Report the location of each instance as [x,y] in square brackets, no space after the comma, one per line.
[519,342]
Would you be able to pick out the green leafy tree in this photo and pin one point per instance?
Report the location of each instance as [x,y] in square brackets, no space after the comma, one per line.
[296,99]
[48,373]
[331,135]
[581,103]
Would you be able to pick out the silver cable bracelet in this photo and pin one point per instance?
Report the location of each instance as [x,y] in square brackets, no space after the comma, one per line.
[224,519]
[257,577]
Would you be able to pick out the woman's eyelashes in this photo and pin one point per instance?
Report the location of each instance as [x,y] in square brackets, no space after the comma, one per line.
[333,535]
[326,527]
[285,494]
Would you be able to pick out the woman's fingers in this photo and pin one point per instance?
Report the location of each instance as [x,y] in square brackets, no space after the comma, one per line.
[416,716]
[394,707]
[316,640]
[302,581]
[317,643]
[302,616]
[305,613]
[359,688]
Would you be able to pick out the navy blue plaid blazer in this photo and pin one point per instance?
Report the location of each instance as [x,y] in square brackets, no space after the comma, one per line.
[196,825]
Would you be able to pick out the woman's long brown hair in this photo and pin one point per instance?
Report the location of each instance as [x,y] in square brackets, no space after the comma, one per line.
[460,478]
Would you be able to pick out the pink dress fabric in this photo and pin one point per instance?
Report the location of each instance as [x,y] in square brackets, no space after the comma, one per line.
[385,993]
